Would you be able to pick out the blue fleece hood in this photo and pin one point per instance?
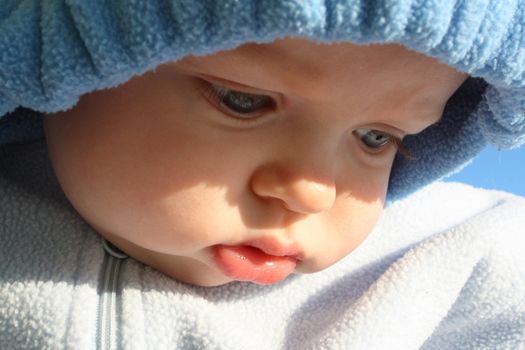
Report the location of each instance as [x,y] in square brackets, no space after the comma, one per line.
[54,51]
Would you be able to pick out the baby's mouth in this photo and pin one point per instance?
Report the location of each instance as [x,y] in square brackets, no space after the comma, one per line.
[248,263]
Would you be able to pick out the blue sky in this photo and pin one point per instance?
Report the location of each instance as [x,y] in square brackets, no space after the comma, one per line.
[502,170]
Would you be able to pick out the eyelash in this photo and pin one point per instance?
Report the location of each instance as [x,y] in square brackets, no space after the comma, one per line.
[401,148]
[215,95]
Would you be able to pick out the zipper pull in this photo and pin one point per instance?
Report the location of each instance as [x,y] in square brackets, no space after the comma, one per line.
[112,250]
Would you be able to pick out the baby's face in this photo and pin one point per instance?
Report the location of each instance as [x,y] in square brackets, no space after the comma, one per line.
[248,164]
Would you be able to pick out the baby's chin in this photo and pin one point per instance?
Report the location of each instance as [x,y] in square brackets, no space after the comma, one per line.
[191,271]
[187,269]
[182,268]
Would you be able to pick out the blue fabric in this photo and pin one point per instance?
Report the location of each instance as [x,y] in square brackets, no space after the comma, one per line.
[53,51]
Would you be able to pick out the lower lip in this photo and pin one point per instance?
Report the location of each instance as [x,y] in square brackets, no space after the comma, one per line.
[246,263]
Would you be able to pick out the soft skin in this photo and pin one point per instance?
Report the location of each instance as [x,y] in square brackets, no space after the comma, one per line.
[164,173]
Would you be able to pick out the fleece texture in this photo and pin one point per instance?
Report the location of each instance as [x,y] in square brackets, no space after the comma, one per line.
[53,51]
[443,269]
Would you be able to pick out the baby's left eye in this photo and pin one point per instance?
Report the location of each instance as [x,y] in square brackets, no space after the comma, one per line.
[374,139]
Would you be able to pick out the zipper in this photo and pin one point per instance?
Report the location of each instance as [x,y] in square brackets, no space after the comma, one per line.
[109,296]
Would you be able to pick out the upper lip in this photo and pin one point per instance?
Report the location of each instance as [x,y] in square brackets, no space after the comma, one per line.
[272,246]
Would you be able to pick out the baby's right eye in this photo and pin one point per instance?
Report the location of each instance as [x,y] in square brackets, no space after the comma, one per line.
[374,139]
[238,104]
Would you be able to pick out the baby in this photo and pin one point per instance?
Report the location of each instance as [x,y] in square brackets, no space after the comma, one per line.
[249,164]
[221,141]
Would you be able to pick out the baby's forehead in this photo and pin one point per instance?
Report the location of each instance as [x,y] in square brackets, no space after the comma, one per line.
[381,82]
[301,64]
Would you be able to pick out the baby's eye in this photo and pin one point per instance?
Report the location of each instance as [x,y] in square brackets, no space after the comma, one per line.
[240,104]
[375,140]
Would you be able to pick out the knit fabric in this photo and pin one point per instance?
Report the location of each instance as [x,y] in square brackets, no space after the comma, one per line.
[53,51]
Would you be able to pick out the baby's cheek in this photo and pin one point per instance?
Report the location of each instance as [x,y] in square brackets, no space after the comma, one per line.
[350,226]
[179,223]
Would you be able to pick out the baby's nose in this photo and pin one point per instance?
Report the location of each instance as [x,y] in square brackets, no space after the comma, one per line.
[297,193]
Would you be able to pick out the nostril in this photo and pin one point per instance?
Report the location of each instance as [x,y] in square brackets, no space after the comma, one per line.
[308,197]
[296,193]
